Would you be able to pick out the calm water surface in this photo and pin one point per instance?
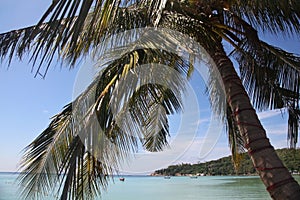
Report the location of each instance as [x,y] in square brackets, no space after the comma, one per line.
[158,188]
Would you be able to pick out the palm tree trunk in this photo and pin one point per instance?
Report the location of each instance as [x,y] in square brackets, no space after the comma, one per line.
[277,179]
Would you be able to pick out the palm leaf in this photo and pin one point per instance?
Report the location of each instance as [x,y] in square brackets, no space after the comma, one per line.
[68,35]
[268,75]
[43,154]
[293,125]
[86,152]
[275,16]
[235,139]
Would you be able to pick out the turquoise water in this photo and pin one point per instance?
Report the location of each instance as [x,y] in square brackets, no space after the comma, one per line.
[158,188]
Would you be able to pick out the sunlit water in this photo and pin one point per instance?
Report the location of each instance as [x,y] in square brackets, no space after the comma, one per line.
[158,188]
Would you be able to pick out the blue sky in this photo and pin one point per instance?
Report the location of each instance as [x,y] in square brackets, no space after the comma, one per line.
[27,103]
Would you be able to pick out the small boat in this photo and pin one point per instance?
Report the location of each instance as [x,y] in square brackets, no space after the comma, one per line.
[167,177]
[193,176]
[122,179]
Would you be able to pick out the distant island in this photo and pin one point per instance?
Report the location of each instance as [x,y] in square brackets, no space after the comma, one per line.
[224,166]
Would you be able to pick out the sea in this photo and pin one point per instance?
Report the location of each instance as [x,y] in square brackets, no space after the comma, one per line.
[159,188]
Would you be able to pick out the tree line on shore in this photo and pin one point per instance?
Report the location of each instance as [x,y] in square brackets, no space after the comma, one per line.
[225,166]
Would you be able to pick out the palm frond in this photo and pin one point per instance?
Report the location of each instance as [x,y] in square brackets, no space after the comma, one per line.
[149,111]
[275,16]
[268,75]
[272,78]
[293,125]
[235,139]
[41,156]
[58,155]
[73,29]
[179,17]
[91,141]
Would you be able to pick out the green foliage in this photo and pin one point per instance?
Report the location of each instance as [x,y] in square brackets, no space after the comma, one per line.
[224,166]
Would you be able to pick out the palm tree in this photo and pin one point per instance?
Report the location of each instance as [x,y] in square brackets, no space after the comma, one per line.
[269,77]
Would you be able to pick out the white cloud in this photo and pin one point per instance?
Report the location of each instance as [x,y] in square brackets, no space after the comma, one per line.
[268,114]
[201,121]
[280,131]
[276,128]
[279,144]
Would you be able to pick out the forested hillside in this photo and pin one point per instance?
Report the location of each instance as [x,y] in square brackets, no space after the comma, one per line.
[224,166]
